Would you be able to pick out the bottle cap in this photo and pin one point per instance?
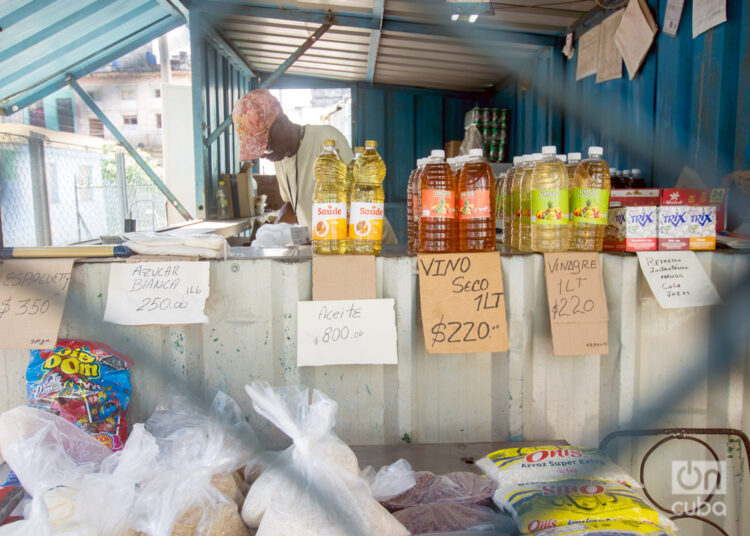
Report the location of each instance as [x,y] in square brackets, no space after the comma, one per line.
[596,151]
[371,144]
[574,156]
[549,149]
[516,160]
[626,173]
[437,153]
[329,143]
[618,172]
[612,170]
[636,172]
[562,158]
[359,149]
[537,156]
[476,152]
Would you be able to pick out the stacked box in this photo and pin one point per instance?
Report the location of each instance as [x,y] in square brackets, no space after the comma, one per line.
[702,227]
[634,197]
[673,228]
[631,228]
[696,197]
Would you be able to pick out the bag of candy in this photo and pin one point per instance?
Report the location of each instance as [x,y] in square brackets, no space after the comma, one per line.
[84,382]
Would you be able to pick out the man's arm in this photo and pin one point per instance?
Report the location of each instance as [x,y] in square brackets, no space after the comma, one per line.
[286,214]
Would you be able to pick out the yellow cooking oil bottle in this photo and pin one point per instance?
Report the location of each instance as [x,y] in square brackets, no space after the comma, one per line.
[350,177]
[589,202]
[515,202]
[524,226]
[573,159]
[505,200]
[329,232]
[368,199]
[549,203]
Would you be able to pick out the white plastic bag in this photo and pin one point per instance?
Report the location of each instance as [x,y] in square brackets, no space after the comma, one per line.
[273,235]
[390,480]
[314,487]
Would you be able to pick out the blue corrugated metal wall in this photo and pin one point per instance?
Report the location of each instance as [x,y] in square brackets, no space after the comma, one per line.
[687,106]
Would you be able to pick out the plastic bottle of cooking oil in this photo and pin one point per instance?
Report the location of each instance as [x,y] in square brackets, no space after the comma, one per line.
[549,203]
[368,199]
[508,200]
[438,227]
[412,208]
[590,202]
[524,239]
[515,194]
[329,232]
[573,159]
[476,204]
[350,175]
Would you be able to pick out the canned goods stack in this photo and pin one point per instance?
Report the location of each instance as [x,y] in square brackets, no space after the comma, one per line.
[493,125]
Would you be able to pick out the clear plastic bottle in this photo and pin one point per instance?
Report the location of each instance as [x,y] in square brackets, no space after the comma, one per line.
[368,202]
[350,175]
[222,203]
[524,240]
[590,202]
[329,232]
[573,159]
[562,158]
[508,200]
[438,227]
[476,204]
[515,195]
[412,205]
[548,191]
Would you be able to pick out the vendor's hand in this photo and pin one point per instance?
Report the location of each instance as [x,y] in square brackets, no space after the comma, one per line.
[286,214]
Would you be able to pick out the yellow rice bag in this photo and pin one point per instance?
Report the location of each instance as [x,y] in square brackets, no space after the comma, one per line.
[608,528]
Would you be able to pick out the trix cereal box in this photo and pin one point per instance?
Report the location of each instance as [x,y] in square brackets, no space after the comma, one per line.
[673,229]
[702,227]
[631,229]
[682,196]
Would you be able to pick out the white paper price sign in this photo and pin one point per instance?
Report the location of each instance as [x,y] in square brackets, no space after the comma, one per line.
[157,293]
[346,332]
[677,279]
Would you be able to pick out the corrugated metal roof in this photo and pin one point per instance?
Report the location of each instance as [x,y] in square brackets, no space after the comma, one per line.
[43,40]
[412,47]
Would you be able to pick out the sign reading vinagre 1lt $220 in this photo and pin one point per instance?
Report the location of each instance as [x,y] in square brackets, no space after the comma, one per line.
[463,303]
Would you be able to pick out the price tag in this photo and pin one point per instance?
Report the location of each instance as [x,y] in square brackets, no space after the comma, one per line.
[463,304]
[346,332]
[32,299]
[157,293]
[677,279]
[577,303]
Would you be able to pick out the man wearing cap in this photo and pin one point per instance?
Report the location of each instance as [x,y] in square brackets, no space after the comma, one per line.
[265,131]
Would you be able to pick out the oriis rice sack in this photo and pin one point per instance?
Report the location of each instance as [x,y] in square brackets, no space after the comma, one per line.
[608,528]
[563,503]
[84,382]
[551,462]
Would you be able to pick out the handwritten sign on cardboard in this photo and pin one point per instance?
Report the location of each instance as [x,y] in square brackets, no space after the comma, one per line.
[346,332]
[32,300]
[577,303]
[149,293]
[677,279]
[463,303]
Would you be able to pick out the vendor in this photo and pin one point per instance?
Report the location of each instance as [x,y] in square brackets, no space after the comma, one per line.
[264,130]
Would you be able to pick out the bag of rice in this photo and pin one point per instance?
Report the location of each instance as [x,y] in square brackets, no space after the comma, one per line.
[546,463]
[561,503]
[314,487]
[608,528]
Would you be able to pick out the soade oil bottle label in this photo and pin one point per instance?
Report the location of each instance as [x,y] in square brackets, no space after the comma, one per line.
[549,207]
[329,221]
[366,221]
[438,204]
[474,204]
[589,205]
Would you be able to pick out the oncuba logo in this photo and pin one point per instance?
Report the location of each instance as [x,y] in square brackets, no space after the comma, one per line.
[642,219]
[701,219]
[675,219]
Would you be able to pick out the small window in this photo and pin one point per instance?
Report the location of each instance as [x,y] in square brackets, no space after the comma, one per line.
[127,93]
[65,120]
[36,115]
[130,119]
[157,93]
[96,128]
[158,120]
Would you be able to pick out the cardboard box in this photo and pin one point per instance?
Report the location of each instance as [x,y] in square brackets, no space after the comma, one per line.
[696,197]
[673,228]
[702,227]
[631,228]
[635,197]
[452,148]
[239,189]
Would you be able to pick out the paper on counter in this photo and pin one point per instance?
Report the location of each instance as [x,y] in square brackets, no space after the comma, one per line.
[677,279]
[609,64]
[707,14]
[588,53]
[635,35]
[672,17]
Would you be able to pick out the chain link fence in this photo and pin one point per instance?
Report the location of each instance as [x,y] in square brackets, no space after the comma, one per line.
[70,190]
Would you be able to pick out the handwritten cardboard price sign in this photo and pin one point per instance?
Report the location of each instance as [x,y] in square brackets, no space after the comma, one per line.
[463,303]
[577,303]
[32,299]
[149,293]
[346,332]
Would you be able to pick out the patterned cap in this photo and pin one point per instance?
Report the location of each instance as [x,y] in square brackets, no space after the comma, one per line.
[253,116]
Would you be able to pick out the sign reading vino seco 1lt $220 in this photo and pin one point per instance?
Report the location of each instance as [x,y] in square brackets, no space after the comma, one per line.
[462,302]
